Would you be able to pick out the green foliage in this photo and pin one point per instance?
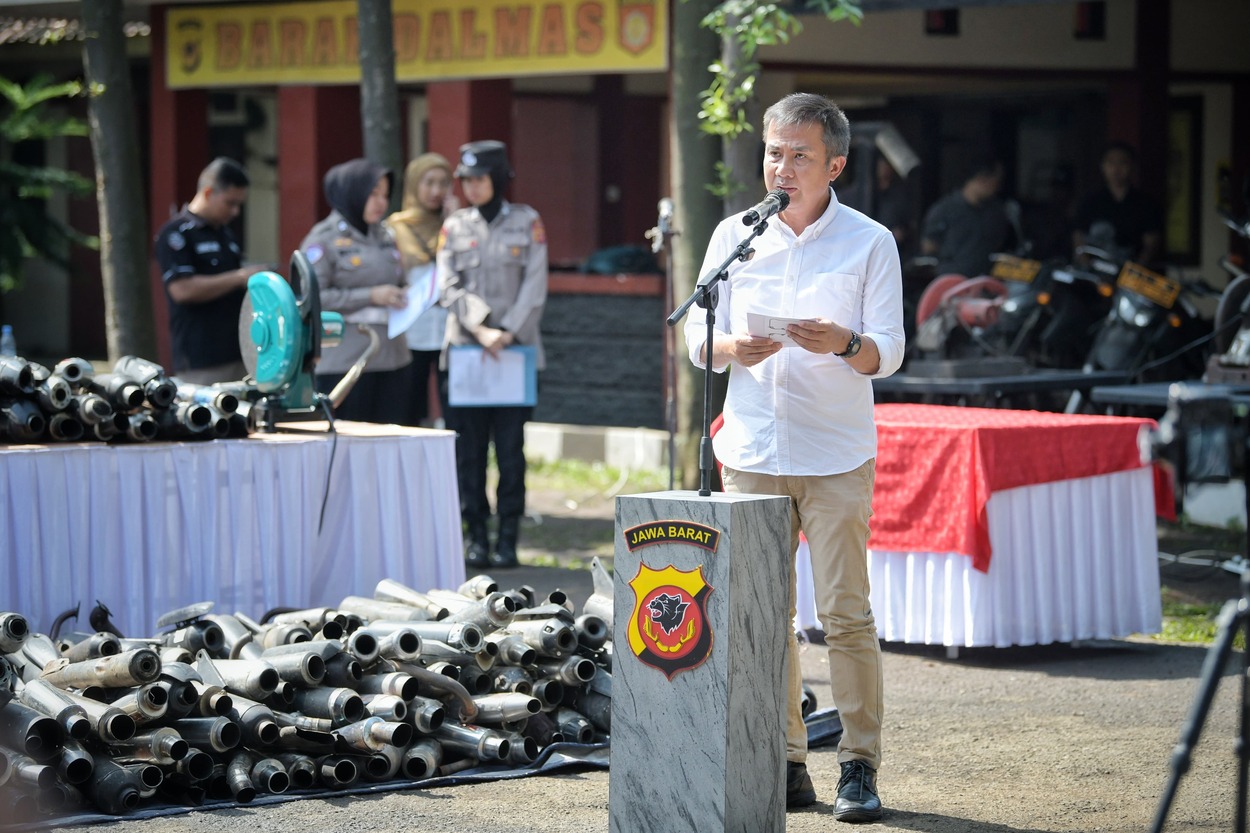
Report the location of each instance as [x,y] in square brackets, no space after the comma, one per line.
[726,184]
[26,230]
[1196,623]
[746,25]
[581,479]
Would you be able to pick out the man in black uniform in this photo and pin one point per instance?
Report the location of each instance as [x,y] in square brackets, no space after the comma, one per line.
[205,278]
[1118,217]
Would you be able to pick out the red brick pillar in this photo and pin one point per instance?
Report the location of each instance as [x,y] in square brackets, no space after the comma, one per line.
[320,129]
[466,111]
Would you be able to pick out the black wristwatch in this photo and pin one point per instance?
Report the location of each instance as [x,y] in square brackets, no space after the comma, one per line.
[852,347]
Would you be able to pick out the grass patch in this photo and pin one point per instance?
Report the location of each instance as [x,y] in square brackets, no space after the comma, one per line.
[582,477]
[1196,623]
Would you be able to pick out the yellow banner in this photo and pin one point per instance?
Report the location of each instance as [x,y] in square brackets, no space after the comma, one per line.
[318,42]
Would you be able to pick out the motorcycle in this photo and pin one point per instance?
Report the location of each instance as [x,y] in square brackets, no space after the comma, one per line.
[1230,360]
[1153,330]
[1078,302]
[984,316]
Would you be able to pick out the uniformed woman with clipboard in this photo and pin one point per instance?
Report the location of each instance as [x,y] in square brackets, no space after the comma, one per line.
[492,266]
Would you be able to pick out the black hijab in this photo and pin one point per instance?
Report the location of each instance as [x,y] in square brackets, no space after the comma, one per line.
[499,181]
[348,186]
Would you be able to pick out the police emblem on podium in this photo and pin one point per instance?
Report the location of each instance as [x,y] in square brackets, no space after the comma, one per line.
[668,627]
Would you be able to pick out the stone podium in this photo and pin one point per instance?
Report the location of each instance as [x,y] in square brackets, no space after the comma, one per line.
[701,593]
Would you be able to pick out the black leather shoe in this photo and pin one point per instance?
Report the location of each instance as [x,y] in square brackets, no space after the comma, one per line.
[799,789]
[857,794]
[504,555]
[477,555]
[505,547]
[477,552]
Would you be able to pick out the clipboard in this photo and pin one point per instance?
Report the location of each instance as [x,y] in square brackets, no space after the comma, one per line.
[477,380]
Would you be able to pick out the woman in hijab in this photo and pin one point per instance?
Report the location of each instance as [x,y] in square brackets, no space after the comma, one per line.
[359,274]
[428,199]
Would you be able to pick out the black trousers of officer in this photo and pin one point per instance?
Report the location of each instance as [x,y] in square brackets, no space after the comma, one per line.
[378,396]
[475,429]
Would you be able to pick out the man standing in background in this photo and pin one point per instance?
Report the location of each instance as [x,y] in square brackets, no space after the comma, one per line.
[969,224]
[205,278]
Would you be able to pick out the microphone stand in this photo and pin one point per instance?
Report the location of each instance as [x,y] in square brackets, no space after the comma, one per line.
[661,241]
[706,296]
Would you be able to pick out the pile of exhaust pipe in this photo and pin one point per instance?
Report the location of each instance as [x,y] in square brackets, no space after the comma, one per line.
[135,402]
[401,686]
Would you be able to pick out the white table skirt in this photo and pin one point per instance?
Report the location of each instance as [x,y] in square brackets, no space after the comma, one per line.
[1074,559]
[149,528]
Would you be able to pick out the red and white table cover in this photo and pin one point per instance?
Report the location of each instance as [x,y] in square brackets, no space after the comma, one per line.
[997,527]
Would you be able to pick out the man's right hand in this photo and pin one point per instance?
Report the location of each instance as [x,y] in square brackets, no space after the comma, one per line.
[746,350]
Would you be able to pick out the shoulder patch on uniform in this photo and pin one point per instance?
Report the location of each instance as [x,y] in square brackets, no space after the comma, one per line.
[537,230]
[176,241]
[314,253]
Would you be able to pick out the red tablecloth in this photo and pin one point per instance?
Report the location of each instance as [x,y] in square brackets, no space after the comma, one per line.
[938,465]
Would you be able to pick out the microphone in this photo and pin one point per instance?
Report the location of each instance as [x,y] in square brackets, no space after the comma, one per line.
[774,203]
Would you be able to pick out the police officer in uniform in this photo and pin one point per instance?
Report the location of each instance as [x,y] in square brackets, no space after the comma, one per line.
[359,274]
[205,278]
[492,264]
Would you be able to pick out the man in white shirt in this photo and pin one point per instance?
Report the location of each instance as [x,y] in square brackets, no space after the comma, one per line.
[799,414]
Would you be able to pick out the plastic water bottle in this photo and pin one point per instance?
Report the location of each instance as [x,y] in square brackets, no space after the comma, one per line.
[8,346]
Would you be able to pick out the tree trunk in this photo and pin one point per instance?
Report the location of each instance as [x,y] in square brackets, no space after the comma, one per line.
[742,152]
[379,98]
[128,322]
[696,210]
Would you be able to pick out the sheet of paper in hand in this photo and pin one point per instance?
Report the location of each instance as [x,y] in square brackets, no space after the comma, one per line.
[475,379]
[771,326]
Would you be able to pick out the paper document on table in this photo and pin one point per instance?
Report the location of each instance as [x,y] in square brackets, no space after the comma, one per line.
[422,293]
[763,325]
[477,379]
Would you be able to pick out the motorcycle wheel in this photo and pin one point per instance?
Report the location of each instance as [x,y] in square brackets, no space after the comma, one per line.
[1229,308]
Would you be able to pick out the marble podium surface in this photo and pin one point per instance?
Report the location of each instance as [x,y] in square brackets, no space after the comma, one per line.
[698,693]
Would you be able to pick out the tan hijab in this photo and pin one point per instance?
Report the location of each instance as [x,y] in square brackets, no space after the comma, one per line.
[416,228]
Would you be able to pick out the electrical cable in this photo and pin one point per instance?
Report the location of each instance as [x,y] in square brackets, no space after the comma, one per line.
[1214,560]
[334,442]
[1228,325]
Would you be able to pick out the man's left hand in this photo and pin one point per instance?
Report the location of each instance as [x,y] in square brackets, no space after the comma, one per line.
[820,336]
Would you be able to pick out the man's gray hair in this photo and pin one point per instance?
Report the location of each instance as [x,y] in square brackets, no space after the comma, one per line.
[798,109]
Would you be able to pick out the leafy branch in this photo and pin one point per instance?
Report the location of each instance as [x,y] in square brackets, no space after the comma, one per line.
[743,27]
[26,229]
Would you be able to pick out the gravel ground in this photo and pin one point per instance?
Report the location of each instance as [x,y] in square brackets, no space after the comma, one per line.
[1054,738]
[1023,739]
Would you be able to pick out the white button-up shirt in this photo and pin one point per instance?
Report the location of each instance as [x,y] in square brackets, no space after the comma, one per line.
[799,413]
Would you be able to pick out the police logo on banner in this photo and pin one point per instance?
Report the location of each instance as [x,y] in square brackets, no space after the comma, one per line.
[669,628]
[637,25]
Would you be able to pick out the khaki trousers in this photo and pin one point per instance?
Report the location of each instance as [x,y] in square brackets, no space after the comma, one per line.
[833,512]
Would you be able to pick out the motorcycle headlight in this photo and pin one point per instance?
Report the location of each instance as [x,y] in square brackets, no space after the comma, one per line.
[1126,309]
